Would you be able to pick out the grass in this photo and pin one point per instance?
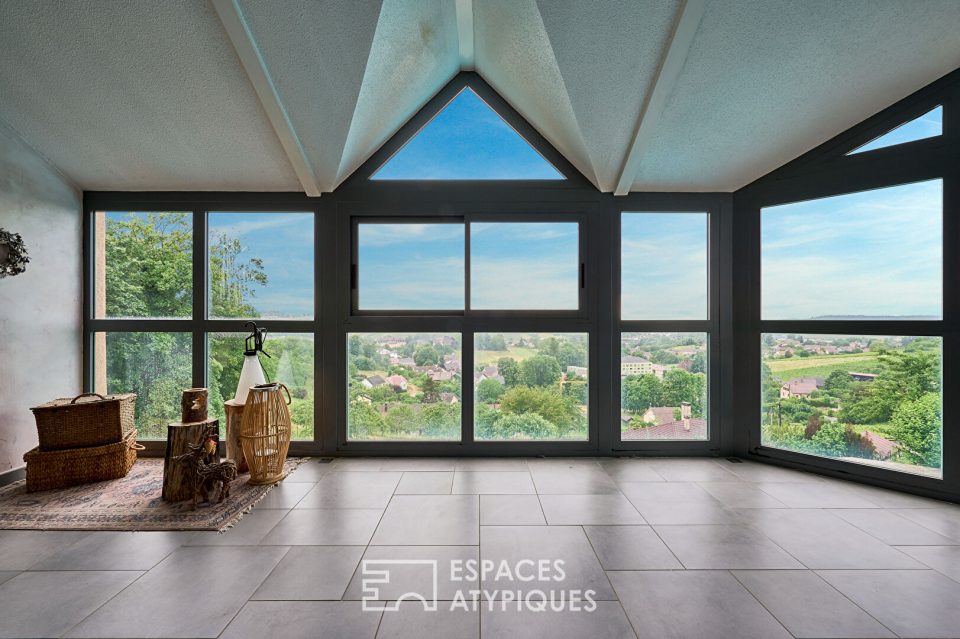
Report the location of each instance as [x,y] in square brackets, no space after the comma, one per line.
[823,365]
[515,352]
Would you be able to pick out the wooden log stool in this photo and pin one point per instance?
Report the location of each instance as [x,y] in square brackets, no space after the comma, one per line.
[193,428]
[234,418]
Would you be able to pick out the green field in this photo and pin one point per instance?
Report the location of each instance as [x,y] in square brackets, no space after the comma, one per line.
[518,353]
[823,365]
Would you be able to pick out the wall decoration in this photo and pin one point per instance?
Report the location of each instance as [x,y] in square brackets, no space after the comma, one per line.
[13,254]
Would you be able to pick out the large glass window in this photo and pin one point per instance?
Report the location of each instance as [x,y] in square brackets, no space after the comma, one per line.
[255,266]
[860,398]
[467,140]
[261,265]
[524,266]
[663,266]
[928,125]
[870,255]
[663,386]
[143,265]
[410,266]
[155,366]
[290,361]
[531,386]
[403,386]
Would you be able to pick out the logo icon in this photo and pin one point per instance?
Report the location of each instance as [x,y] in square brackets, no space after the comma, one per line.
[377,572]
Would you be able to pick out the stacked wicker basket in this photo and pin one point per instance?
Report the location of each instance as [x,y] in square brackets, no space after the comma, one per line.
[82,440]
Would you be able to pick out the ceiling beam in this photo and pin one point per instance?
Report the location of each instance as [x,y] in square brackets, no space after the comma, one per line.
[242,39]
[664,82]
[465,34]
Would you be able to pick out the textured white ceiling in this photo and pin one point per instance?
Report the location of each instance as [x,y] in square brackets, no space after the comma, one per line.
[139,94]
[135,94]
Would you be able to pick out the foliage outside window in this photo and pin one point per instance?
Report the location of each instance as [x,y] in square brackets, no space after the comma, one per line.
[403,386]
[290,361]
[531,386]
[663,386]
[868,399]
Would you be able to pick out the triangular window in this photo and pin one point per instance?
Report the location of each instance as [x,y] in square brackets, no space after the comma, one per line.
[467,140]
[928,125]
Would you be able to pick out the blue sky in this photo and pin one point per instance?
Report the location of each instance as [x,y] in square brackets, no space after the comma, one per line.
[284,241]
[524,266]
[875,253]
[520,266]
[411,266]
[664,266]
[467,140]
[928,125]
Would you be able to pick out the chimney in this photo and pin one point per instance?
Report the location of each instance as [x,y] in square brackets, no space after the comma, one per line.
[685,414]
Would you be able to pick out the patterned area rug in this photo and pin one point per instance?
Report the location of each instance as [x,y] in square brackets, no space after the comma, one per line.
[131,503]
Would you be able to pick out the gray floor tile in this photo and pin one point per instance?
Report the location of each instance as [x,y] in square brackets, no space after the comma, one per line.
[740,494]
[691,604]
[767,473]
[411,621]
[430,520]
[405,464]
[8,575]
[425,483]
[631,548]
[311,573]
[891,528]
[944,520]
[575,479]
[115,551]
[676,503]
[945,559]
[681,469]
[707,547]
[512,544]
[818,495]
[411,569]
[484,482]
[896,499]
[253,527]
[606,621]
[310,471]
[328,527]
[303,620]
[566,510]
[516,464]
[630,470]
[358,464]
[912,603]
[286,495]
[819,539]
[20,549]
[352,490]
[511,510]
[48,604]
[808,606]
[194,592]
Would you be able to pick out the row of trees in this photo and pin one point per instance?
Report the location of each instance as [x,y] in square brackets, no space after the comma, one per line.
[640,392]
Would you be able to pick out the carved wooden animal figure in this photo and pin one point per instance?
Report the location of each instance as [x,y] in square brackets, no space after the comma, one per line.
[206,476]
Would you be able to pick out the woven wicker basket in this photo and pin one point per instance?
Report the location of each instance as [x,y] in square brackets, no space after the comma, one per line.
[62,468]
[77,423]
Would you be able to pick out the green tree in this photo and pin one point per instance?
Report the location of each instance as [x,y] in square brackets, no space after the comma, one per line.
[640,392]
[509,370]
[440,421]
[233,282]
[540,370]
[916,427]
[426,355]
[680,386]
[429,389]
[364,421]
[489,391]
[400,418]
[546,402]
[524,426]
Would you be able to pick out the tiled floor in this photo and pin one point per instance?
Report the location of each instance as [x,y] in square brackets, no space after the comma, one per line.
[650,548]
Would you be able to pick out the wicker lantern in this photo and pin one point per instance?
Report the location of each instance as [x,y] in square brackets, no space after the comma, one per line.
[265,432]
